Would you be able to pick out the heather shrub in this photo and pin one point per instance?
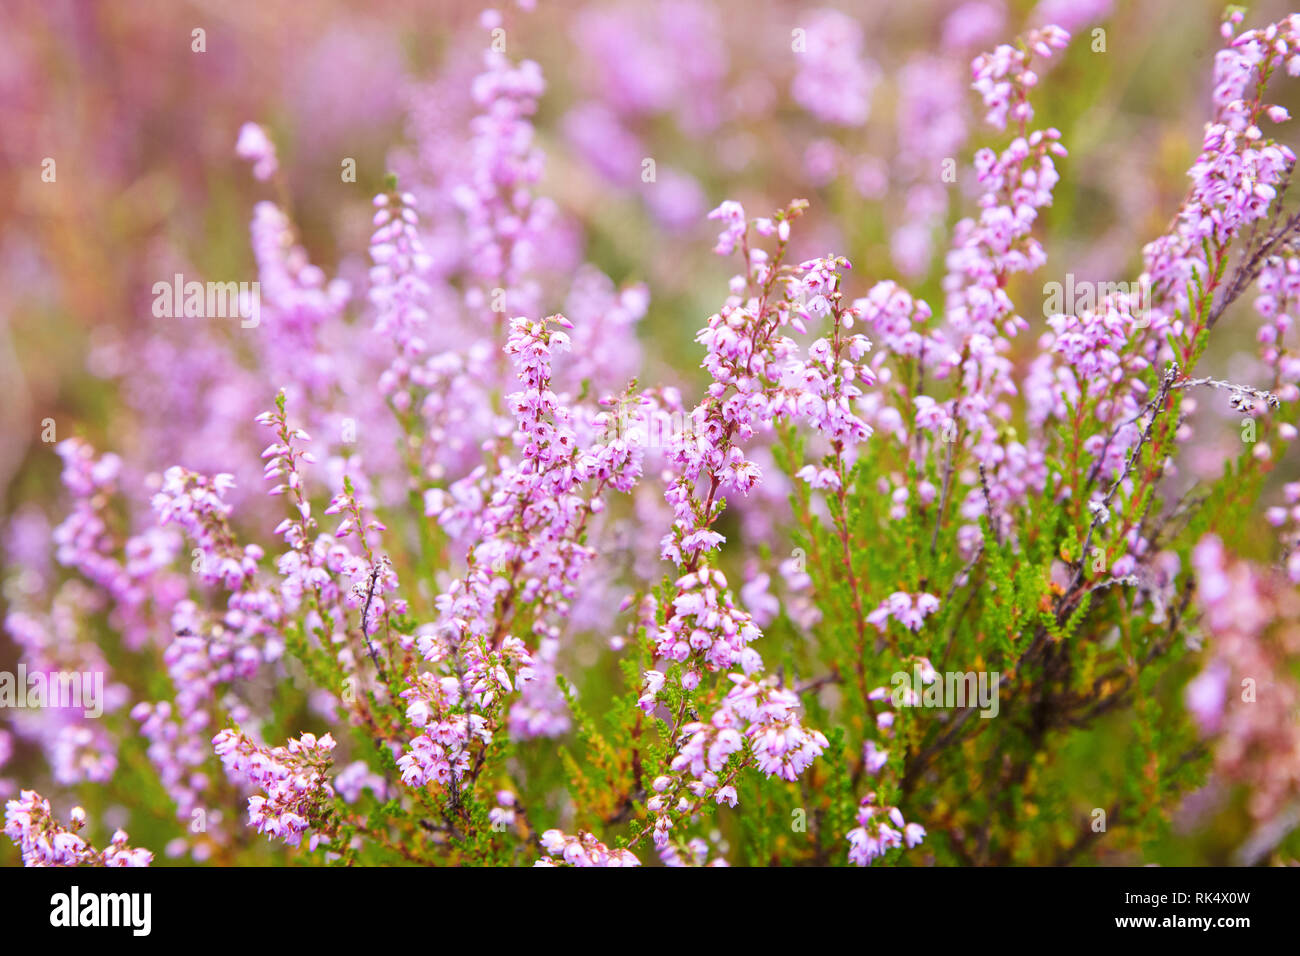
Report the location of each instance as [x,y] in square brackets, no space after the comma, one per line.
[448,559]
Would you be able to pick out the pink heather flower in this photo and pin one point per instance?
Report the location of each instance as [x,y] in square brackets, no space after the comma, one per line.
[732,215]
[873,757]
[909,610]
[293,778]
[880,829]
[256,147]
[84,541]
[834,78]
[1235,177]
[913,834]
[581,850]
[398,288]
[196,504]
[706,624]
[1003,77]
[44,842]
[654,682]
[503,815]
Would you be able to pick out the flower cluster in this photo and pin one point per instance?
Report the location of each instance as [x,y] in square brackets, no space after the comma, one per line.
[43,841]
[194,503]
[581,850]
[297,793]
[909,610]
[1004,78]
[706,627]
[879,830]
[440,752]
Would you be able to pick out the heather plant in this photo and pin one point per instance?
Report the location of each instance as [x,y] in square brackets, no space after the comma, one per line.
[901,576]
